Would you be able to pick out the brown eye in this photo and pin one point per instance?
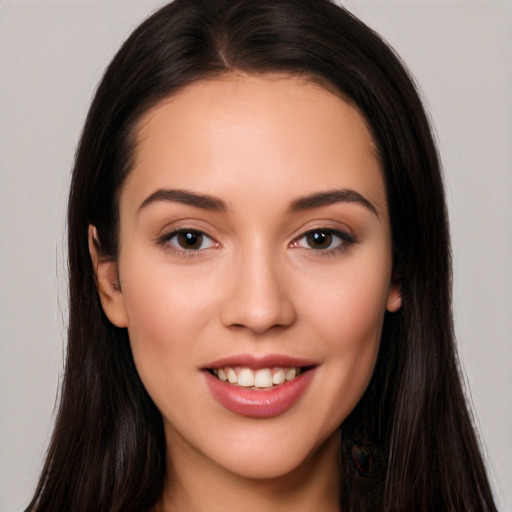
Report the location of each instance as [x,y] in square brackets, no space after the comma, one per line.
[190,240]
[319,239]
[324,240]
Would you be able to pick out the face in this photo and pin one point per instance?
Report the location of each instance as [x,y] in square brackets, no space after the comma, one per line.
[254,268]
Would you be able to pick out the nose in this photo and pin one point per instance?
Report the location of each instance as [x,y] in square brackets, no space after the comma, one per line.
[258,298]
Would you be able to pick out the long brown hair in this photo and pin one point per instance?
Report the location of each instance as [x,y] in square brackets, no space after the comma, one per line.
[410,443]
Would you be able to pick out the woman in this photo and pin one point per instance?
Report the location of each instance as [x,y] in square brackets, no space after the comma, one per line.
[260,310]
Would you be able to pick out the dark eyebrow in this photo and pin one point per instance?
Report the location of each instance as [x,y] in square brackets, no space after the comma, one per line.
[329,197]
[202,201]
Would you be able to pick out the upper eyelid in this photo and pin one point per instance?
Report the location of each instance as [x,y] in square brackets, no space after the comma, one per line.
[167,235]
[177,227]
[345,236]
[343,232]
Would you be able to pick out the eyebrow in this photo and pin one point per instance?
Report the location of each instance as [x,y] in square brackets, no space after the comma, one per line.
[310,202]
[329,197]
[202,201]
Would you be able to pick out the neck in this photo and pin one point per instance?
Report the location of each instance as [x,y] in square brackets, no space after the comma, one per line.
[194,483]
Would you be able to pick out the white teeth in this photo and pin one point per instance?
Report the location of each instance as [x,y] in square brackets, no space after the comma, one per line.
[279,377]
[232,377]
[290,374]
[246,378]
[262,378]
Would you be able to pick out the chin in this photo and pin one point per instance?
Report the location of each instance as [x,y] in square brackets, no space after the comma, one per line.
[275,460]
[264,467]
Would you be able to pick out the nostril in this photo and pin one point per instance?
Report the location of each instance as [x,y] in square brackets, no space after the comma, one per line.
[257,299]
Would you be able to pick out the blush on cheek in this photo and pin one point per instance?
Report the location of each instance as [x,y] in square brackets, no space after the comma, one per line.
[164,327]
[351,327]
[355,312]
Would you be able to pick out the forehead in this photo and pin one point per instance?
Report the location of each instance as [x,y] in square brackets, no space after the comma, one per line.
[255,132]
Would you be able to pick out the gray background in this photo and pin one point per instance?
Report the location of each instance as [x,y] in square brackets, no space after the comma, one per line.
[52,55]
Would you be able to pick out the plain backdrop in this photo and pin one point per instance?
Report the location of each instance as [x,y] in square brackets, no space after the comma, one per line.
[52,54]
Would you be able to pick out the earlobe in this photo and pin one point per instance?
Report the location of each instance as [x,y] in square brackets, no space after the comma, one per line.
[394,301]
[107,282]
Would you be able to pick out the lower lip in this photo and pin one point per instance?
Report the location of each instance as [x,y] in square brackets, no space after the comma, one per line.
[265,403]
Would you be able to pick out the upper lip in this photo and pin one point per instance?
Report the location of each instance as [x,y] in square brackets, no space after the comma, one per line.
[256,362]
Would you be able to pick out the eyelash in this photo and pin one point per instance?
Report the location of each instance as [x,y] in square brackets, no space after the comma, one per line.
[345,239]
[166,240]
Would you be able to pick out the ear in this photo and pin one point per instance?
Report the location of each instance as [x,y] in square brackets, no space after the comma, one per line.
[394,300]
[107,281]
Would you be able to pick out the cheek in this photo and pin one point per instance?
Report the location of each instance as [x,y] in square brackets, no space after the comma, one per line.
[349,309]
[168,311]
[348,316]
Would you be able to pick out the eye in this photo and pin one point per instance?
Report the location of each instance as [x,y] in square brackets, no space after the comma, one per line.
[324,240]
[189,240]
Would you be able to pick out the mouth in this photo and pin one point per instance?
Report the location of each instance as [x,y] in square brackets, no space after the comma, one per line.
[259,387]
[258,379]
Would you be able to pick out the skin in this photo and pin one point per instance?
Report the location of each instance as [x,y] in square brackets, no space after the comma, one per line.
[256,285]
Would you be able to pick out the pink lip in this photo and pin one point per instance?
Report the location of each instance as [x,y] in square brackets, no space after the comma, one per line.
[256,362]
[265,403]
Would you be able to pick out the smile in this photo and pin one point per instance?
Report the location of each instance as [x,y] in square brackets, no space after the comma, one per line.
[259,387]
[262,378]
